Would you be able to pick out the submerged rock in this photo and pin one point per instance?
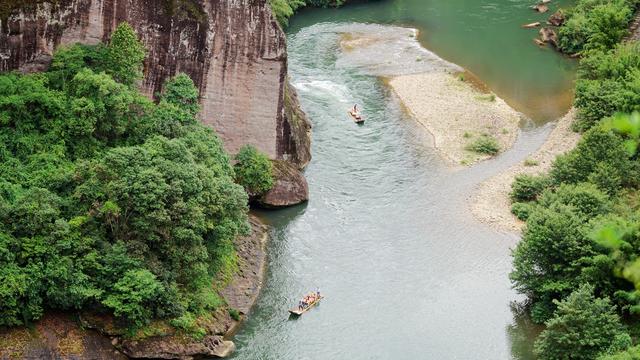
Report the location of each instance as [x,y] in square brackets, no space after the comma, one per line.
[531,25]
[541,8]
[290,187]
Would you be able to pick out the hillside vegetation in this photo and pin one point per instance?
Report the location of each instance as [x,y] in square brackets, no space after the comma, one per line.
[110,202]
[284,9]
[579,258]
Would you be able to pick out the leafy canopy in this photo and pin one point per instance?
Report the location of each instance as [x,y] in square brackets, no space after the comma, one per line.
[253,170]
[583,327]
[108,201]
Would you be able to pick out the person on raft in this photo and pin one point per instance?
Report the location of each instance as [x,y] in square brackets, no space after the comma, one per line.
[308,300]
[355,110]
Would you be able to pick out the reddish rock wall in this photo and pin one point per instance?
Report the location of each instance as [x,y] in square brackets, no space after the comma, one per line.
[233,50]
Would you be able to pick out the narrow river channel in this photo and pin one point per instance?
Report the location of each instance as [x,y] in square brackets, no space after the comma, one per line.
[387,236]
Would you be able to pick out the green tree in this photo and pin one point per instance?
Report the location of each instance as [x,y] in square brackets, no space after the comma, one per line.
[125,55]
[181,92]
[583,327]
[107,198]
[608,82]
[595,24]
[547,262]
[254,171]
[132,296]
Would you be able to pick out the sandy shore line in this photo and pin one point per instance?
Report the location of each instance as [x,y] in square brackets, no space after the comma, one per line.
[456,113]
[490,201]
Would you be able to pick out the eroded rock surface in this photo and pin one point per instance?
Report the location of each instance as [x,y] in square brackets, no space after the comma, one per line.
[178,348]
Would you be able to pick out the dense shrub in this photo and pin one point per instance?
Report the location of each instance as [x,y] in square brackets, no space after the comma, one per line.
[599,149]
[527,187]
[595,24]
[583,227]
[109,202]
[284,9]
[587,200]
[583,327]
[593,192]
[254,170]
[484,144]
[608,82]
[546,261]
[632,353]
[235,314]
[522,210]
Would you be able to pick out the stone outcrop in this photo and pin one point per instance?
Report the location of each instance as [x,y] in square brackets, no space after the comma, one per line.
[549,36]
[178,348]
[56,336]
[290,187]
[242,292]
[634,27]
[557,19]
[234,51]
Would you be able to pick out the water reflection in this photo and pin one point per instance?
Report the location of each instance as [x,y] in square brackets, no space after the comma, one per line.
[521,332]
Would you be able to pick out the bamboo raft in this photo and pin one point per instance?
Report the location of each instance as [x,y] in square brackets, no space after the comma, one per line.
[298,312]
[356,117]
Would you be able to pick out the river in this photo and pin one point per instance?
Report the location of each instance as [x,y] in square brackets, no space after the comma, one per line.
[387,235]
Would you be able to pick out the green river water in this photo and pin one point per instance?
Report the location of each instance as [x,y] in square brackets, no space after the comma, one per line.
[387,235]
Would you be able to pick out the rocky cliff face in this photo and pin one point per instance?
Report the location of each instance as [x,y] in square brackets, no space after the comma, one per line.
[233,50]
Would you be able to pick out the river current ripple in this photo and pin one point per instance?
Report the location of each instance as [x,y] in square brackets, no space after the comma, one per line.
[387,235]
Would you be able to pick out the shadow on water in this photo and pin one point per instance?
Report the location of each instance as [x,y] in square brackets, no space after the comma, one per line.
[387,235]
[521,332]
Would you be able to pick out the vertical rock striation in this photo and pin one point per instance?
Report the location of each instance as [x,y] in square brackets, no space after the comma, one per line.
[233,50]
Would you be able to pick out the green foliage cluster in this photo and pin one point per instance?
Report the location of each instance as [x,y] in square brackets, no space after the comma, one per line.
[284,9]
[608,82]
[235,314]
[109,201]
[595,24]
[527,187]
[484,144]
[583,326]
[609,72]
[581,241]
[253,170]
[632,353]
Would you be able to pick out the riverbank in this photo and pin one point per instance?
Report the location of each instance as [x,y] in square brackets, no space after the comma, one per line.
[95,337]
[490,203]
[456,113]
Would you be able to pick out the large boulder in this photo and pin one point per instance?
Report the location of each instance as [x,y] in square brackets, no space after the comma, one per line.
[549,36]
[290,187]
